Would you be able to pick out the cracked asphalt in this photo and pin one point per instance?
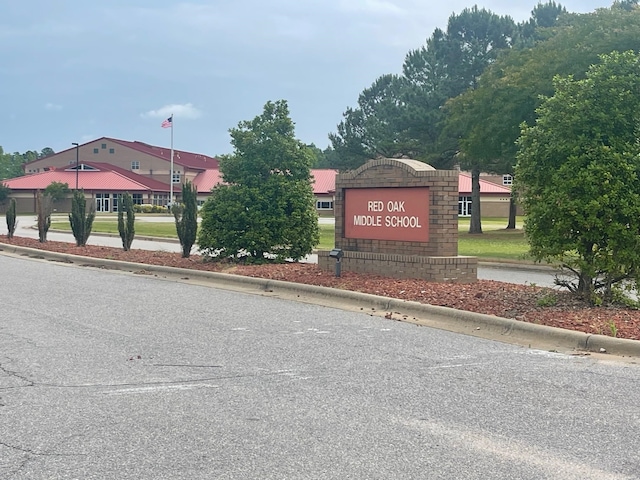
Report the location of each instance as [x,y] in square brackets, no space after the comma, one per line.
[109,374]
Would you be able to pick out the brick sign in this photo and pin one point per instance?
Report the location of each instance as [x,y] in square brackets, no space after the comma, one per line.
[399,214]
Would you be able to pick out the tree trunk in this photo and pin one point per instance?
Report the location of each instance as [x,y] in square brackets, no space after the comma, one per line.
[475,225]
[512,212]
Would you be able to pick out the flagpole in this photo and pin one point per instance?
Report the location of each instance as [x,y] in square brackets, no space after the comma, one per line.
[171,176]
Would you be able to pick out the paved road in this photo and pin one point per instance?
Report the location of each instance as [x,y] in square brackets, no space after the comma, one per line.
[112,375]
[540,277]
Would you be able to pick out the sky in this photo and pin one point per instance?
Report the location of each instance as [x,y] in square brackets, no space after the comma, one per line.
[77,70]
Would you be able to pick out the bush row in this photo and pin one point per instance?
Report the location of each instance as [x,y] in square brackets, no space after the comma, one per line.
[146,208]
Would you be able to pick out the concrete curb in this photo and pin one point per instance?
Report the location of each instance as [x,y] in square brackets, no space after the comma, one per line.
[460,321]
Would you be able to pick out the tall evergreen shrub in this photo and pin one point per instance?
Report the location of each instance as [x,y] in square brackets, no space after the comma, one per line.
[186,217]
[126,228]
[11,218]
[81,220]
[44,206]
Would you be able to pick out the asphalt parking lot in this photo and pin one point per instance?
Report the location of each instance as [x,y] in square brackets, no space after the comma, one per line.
[108,374]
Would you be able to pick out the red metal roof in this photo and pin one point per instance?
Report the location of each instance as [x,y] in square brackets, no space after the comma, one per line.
[104,180]
[206,180]
[153,184]
[464,186]
[325,181]
[115,178]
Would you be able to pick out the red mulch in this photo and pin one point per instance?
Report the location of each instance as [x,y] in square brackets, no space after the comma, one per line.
[494,298]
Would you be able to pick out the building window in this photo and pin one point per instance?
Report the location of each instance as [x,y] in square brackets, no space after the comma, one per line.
[324,205]
[176,177]
[507,180]
[135,165]
[464,206]
[103,146]
[112,150]
[95,150]
[161,200]
[137,198]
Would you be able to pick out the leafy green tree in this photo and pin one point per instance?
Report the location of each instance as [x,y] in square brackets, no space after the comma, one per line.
[126,228]
[321,158]
[403,115]
[11,218]
[81,218]
[11,164]
[4,192]
[265,209]
[578,172]
[543,16]
[625,4]
[186,217]
[46,152]
[487,119]
[57,190]
[377,127]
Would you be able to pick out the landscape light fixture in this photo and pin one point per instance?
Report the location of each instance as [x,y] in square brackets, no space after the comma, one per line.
[337,253]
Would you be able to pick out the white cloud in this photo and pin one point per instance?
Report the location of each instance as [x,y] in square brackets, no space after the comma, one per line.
[372,7]
[52,106]
[186,110]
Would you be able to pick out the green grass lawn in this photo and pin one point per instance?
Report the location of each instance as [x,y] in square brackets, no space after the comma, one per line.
[495,241]
[143,229]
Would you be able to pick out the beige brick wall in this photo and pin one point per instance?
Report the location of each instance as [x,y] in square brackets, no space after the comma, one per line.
[150,166]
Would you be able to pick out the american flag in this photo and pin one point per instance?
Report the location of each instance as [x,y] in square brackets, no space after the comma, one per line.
[168,123]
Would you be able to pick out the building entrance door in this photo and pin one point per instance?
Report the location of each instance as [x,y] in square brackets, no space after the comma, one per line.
[102,202]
